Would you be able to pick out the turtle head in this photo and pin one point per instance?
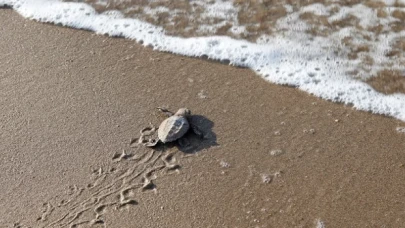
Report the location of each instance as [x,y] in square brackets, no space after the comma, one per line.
[183,112]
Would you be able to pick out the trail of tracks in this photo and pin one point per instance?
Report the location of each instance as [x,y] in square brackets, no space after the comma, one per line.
[112,188]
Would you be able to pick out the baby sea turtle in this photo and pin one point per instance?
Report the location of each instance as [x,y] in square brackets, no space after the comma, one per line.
[171,129]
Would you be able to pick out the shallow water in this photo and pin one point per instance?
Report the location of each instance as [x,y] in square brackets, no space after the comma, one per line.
[343,51]
[256,20]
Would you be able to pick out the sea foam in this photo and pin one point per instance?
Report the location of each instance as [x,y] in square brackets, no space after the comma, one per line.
[311,63]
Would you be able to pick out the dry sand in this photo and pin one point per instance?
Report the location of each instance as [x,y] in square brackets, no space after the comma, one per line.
[71,100]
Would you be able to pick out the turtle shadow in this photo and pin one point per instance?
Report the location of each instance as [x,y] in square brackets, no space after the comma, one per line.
[191,142]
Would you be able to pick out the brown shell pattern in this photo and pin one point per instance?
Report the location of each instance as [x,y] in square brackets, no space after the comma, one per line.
[173,128]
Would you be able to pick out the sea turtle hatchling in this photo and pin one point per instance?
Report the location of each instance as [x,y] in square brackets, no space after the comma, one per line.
[171,129]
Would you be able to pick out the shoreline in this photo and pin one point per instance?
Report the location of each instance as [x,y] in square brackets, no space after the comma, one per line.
[72,100]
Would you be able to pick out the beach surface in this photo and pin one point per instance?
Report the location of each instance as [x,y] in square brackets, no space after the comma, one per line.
[271,156]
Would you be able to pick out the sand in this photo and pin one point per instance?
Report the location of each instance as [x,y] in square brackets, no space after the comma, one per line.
[272,156]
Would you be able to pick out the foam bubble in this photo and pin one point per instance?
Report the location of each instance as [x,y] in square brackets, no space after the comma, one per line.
[316,64]
[400,129]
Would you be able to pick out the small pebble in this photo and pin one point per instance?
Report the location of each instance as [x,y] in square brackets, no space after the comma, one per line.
[202,95]
[224,164]
[277,174]
[320,224]
[266,178]
[276,152]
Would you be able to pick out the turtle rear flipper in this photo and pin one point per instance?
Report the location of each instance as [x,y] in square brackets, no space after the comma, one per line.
[151,142]
[148,131]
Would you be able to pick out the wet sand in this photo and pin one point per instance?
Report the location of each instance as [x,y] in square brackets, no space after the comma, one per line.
[272,156]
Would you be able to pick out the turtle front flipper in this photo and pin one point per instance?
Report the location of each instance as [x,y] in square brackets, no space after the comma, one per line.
[165,111]
[147,131]
[196,130]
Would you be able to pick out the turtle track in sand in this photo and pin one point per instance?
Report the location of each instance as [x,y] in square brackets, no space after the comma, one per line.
[117,184]
[113,187]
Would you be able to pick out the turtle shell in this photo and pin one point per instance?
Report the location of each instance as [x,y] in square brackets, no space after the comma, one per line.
[173,128]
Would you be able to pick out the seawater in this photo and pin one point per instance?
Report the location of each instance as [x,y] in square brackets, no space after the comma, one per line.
[328,48]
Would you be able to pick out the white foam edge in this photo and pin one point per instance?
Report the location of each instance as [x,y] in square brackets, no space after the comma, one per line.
[282,61]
